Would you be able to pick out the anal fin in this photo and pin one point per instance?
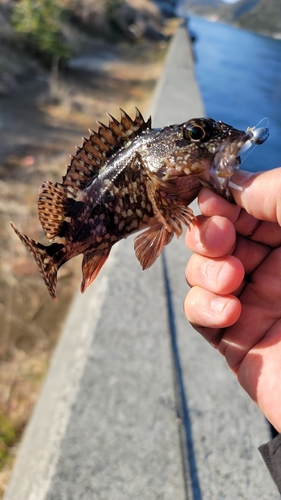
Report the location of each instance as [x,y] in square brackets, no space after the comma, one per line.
[91,266]
[149,244]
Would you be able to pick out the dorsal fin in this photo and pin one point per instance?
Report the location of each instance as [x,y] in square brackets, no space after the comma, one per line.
[51,208]
[99,148]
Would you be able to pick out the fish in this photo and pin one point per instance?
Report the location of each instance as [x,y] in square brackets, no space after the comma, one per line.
[129,177]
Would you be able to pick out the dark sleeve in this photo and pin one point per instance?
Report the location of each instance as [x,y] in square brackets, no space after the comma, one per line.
[271,453]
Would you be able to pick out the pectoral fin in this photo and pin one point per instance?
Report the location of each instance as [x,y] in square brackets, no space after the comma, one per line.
[149,244]
[169,212]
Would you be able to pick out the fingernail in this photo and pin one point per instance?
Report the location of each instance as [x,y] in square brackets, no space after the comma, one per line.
[218,304]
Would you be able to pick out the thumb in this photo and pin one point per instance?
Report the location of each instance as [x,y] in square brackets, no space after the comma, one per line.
[260,195]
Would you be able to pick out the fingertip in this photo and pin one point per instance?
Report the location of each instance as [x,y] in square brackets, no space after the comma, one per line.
[210,310]
[213,236]
[211,204]
[207,201]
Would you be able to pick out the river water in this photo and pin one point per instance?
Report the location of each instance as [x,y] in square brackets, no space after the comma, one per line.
[239,76]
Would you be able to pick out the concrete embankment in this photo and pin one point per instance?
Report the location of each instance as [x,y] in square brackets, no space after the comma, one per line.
[136,405]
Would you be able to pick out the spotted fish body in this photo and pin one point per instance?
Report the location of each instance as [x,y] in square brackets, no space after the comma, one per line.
[127,177]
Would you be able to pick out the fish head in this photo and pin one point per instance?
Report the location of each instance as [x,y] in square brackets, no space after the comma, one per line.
[210,150]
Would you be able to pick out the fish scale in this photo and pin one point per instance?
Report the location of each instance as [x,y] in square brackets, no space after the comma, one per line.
[128,177]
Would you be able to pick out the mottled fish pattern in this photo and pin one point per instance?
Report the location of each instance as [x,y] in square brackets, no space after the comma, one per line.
[127,177]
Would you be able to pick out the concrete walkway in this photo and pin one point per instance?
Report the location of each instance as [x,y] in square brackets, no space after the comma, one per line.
[136,405]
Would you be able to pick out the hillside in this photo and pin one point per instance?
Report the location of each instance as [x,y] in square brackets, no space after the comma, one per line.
[33,33]
[265,18]
[202,7]
[262,16]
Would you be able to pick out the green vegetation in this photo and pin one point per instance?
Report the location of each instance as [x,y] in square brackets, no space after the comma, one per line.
[40,22]
[7,437]
[54,29]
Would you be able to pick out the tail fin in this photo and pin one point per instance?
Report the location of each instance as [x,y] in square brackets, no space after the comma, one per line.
[46,264]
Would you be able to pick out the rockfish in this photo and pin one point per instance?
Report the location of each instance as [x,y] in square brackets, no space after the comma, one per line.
[127,177]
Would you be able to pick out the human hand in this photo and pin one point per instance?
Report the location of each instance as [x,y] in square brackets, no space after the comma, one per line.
[235,275]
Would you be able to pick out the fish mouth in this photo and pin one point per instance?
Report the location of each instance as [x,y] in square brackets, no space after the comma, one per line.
[227,158]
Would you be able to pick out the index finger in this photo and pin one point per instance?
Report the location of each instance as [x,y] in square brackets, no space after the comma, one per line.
[211,236]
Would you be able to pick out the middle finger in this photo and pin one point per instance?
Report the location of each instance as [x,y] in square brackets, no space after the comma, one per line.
[222,275]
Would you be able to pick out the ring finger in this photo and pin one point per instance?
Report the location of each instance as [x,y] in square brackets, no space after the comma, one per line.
[210,313]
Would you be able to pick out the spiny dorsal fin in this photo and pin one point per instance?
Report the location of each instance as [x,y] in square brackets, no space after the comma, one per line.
[51,208]
[100,147]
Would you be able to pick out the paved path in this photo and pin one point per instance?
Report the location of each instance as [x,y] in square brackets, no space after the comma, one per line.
[136,405]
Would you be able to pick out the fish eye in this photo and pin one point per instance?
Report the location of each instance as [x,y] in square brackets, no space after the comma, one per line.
[195,132]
